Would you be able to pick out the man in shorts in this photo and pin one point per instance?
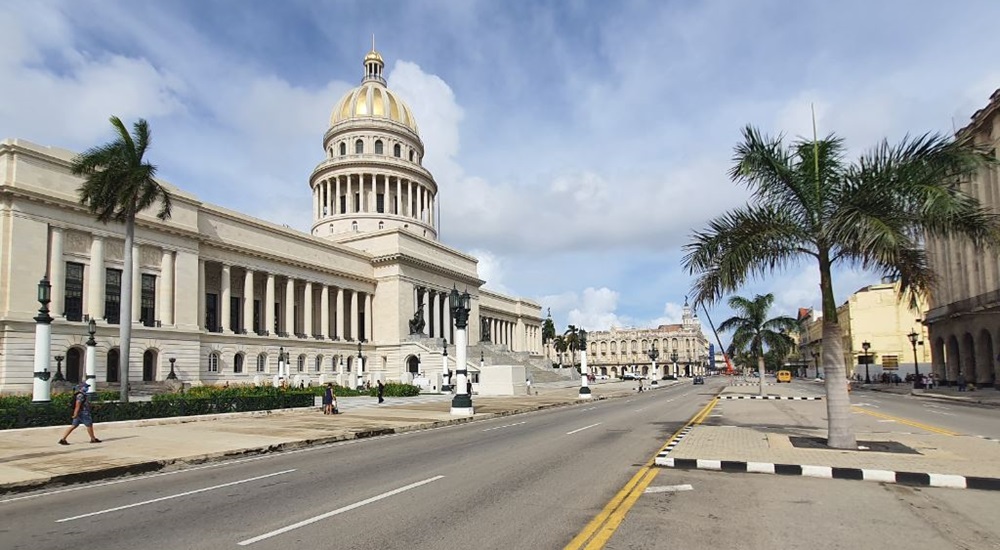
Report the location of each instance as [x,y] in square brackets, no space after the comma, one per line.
[81,414]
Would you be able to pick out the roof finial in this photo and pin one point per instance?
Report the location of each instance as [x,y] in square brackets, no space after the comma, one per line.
[373,41]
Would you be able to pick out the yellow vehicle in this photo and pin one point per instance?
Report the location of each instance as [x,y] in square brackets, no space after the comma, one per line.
[784,376]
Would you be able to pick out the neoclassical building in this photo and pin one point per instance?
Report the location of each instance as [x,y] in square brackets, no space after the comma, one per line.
[964,315]
[618,351]
[218,294]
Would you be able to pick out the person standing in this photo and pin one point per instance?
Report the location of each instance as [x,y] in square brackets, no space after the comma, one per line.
[81,414]
[328,399]
[380,391]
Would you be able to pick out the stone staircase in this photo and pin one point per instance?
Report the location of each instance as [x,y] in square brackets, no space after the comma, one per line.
[539,369]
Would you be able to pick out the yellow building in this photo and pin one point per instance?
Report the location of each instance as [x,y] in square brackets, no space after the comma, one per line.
[873,314]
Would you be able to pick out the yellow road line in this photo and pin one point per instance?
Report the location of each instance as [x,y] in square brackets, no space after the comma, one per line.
[600,529]
[908,422]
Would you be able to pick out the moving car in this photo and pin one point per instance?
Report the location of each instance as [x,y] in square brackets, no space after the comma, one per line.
[784,376]
[699,380]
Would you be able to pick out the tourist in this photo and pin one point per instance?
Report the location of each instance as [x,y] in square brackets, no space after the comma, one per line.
[81,414]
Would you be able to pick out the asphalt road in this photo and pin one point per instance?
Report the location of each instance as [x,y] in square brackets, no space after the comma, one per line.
[524,481]
[958,417]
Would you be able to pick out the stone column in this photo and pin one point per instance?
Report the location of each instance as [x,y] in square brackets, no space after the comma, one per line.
[324,312]
[411,200]
[136,283]
[165,290]
[95,290]
[248,303]
[289,324]
[433,330]
[225,293]
[340,314]
[355,333]
[57,273]
[269,304]
[201,294]
[399,196]
[369,322]
[447,322]
[307,310]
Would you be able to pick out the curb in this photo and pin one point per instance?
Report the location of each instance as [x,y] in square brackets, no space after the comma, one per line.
[770,397]
[913,479]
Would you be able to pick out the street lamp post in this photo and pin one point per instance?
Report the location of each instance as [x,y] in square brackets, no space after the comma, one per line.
[40,389]
[584,372]
[90,367]
[460,305]
[172,375]
[281,367]
[917,382]
[361,368]
[866,345]
[815,355]
[446,386]
[673,359]
[653,355]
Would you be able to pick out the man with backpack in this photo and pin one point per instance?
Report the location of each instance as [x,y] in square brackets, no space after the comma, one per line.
[81,414]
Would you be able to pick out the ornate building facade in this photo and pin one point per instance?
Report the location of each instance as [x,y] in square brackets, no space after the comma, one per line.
[964,315]
[681,349]
[218,295]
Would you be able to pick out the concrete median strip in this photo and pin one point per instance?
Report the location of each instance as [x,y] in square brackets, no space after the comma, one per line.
[915,479]
[771,397]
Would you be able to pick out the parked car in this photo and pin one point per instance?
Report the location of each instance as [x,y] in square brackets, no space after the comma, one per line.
[784,376]
[699,380]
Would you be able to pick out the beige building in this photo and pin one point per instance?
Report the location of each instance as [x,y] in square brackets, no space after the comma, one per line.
[626,350]
[964,317]
[217,294]
[873,314]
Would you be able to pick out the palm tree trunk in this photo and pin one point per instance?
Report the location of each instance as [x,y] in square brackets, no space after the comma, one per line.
[125,314]
[840,431]
[760,373]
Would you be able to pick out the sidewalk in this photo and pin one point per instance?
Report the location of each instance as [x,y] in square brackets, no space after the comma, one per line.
[788,437]
[31,458]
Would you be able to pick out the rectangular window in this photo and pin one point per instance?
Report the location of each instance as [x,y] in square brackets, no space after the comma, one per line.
[258,327]
[235,319]
[211,312]
[343,204]
[380,203]
[112,295]
[73,302]
[277,318]
[147,301]
[357,202]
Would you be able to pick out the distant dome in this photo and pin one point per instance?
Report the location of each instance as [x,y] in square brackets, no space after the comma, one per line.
[372,100]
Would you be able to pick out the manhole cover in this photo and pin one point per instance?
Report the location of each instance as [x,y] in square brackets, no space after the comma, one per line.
[868,446]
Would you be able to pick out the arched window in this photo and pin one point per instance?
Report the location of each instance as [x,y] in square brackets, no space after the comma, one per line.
[378,146]
[381,225]
[411,156]
[359,147]
[397,151]
[319,363]
[262,362]
[213,362]
[238,363]
[112,369]
[301,366]
[354,226]
[343,148]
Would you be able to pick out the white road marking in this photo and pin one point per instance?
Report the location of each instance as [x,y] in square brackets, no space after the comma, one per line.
[640,410]
[668,489]
[347,508]
[178,495]
[583,428]
[941,412]
[886,420]
[588,409]
[507,426]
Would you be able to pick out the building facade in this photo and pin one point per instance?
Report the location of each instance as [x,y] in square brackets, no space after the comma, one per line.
[219,295]
[681,349]
[873,314]
[964,317]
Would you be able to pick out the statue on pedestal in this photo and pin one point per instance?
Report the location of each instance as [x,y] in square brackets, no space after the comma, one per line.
[417,322]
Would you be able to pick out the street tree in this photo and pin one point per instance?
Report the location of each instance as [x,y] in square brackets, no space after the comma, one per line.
[754,334]
[572,337]
[808,204]
[119,184]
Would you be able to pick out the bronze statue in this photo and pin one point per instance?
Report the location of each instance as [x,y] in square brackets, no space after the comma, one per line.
[484,330]
[417,322]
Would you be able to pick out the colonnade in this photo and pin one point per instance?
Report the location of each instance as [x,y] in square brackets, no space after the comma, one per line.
[399,196]
[435,311]
[514,334]
[286,306]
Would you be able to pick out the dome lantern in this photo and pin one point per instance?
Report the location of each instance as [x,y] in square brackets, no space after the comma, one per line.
[374,65]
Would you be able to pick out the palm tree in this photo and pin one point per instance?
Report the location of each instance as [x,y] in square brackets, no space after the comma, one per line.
[118,184]
[548,331]
[754,334]
[572,337]
[809,204]
[559,344]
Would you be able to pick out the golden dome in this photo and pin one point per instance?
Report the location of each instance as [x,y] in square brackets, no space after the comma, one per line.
[372,99]
[373,56]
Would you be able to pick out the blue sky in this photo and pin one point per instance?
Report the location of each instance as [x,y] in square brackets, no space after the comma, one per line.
[576,144]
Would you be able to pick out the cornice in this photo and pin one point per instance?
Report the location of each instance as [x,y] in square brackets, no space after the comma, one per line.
[400,258]
[373,163]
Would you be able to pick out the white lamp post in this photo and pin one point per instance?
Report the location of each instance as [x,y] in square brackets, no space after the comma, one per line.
[444,367]
[584,373]
[40,389]
[91,365]
[653,354]
[461,404]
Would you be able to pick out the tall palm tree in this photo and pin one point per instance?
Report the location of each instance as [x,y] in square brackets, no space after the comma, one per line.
[118,184]
[572,337]
[548,332]
[808,203]
[559,344]
[754,334]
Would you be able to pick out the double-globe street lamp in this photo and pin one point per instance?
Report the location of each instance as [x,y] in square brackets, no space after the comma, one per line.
[866,345]
[673,359]
[584,372]
[460,305]
[917,381]
[653,355]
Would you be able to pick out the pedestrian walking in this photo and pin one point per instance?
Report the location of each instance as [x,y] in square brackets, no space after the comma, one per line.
[380,391]
[81,414]
[961,382]
[328,399]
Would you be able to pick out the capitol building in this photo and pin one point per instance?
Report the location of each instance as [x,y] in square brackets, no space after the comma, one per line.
[218,295]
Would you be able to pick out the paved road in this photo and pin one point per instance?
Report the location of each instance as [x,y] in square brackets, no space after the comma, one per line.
[523,481]
[964,419]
